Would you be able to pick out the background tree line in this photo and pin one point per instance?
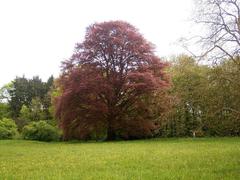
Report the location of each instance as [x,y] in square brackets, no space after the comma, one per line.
[205,100]
[26,100]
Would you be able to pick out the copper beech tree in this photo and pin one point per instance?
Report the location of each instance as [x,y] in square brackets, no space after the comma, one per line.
[109,85]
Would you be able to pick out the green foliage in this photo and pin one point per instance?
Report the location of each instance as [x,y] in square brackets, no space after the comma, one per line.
[8,129]
[30,92]
[4,110]
[223,100]
[25,113]
[20,94]
[189,81]
[207,99]
[41,131]
[36,110]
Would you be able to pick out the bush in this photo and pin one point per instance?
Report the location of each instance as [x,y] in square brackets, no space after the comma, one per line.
[8,129]
[41,131]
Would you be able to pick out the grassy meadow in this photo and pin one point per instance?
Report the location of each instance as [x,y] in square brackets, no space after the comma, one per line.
[187,158]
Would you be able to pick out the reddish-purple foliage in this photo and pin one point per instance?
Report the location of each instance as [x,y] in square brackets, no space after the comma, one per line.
[105,80]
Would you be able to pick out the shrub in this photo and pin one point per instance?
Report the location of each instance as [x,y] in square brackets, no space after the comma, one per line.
[8,129]
[41,131]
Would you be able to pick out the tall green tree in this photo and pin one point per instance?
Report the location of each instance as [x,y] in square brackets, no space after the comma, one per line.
[207,100]
[24,91]
[189,82]
[223,102]
[19,95]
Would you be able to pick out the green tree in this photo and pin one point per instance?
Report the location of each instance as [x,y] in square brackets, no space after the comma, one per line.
[189,83]
[19,95]
[25,113]
[4,110]
[23,92]
[223,112]
[207,99]
[8,129]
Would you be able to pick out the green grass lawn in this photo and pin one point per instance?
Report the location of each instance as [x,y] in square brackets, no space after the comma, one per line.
[205,158]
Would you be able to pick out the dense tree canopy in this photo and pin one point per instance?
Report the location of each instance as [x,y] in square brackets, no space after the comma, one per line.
[26,100]
[22,91]
[108,82]
[206,99]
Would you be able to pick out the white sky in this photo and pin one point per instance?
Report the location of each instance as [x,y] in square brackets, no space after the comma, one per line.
[36,35]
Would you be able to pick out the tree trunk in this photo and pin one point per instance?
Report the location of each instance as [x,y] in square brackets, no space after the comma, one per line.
[111,135]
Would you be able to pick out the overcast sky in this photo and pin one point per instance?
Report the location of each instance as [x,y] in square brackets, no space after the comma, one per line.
[36,35]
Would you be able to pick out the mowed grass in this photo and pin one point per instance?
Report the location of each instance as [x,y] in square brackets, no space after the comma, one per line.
[203,158]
